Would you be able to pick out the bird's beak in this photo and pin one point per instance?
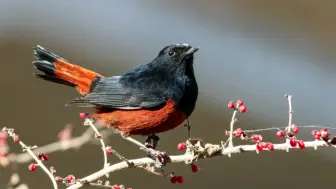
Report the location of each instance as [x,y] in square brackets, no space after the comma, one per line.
[192,50]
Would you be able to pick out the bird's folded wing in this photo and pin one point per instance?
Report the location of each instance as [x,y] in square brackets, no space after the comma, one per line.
[111,93]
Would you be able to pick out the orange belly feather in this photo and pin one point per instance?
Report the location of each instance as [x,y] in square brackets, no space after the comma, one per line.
[143,122]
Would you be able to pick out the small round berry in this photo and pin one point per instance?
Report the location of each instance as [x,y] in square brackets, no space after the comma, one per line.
[270,146]
[259,147]
[40,155]
[257,138]
[317,135]
[83,115]
[293,142]
[181,146]
[173,179]
[242,109]
[98,135]
[58,179]
[280,134]
[194,168]
[115,187]
[240,102]
[301,144]
[231,105]
[70,178]
[180,179]
[325,133]
[108,151]
[239,132]
[16,138]
[314,132]
[45,158]
[295,129]
[32,167]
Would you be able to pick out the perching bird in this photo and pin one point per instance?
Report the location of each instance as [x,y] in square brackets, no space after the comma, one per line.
[149,99]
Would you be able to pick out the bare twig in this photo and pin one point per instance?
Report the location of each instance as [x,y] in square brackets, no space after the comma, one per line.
[233,120]
[54,147]
[208,151]
[28,149]
[89,122]
[290,116]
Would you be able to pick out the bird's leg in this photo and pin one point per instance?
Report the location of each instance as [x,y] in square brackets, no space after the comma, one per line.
[188,125]
[152,141]
[161,158]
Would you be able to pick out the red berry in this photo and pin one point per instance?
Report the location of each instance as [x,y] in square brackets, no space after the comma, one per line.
[40,155]
[98,135]
[239,132]
[108,151]
[180,179]
[301,144]
[240,102]
[16,138]
[231,105]
[173,179]
[242,109]
[70,178]
[83,115]
[314,132]
[280,134]
[58,179]
[295,129]
[45,157]
[293,142]
[194,168]
[115,187]
[32,167]
[256,138]
[259,147]
[317,135]
[270,146]
[325,133]
[181,146]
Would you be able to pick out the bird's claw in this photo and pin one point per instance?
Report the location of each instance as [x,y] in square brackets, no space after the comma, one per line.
[152,141]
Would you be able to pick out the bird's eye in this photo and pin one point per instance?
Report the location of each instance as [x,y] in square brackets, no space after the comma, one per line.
[171,53]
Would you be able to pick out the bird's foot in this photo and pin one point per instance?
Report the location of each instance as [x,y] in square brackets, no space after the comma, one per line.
[161,158]
[152,141]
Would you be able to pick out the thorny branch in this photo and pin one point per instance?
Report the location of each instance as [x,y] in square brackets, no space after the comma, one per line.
[196,149]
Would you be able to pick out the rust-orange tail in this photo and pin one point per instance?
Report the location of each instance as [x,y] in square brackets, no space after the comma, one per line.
[59,70]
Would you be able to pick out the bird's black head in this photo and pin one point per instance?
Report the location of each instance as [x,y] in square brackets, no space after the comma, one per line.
[176,56]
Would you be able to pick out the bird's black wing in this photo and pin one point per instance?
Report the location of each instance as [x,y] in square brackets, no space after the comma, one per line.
[111,93]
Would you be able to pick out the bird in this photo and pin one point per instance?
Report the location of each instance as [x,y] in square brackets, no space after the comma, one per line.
[147,100]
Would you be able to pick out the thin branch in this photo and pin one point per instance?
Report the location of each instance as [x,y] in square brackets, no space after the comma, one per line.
[233,120]
[28,149]
[89,122]
[203,152]
[290,117]
[61,145]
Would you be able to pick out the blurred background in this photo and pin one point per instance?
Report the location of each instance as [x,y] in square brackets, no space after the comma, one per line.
[255,50]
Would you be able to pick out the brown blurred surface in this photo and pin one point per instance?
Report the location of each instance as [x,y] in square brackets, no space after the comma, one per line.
[36,108]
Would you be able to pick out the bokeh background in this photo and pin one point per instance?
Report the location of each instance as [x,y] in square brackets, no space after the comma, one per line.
[255,50]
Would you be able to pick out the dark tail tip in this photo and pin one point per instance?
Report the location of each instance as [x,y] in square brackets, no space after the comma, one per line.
[45,66]
[41,53]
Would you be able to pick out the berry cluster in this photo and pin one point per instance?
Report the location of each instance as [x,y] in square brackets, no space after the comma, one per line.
[238,106]
[42,157]
[177,179]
